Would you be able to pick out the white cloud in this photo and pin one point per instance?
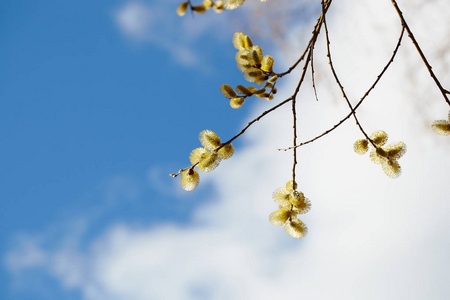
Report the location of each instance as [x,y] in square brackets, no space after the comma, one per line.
[158,24]
[371,237]
[134,19]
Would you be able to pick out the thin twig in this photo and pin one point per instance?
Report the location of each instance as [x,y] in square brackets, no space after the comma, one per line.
[312,75]
[330,61]
[255,120]
[391,60]
[313,39]
[419,50]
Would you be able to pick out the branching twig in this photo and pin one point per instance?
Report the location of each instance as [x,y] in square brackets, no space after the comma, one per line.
[391,60]
[312,75]
[419,50]
[313,39]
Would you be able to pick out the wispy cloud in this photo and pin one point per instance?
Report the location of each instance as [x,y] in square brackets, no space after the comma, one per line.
[158,24]
[371,237]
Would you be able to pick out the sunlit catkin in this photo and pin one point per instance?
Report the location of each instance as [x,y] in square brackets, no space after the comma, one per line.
[241,41]
[200,9]
[296,228]
[361,146]
[209,140]
[391,168]
[379,137]
[218,6]
[441,127]
[227,91]
[182,8]
[226,151]
[209,161]
[267,63]
[279,217]
[301,204]
[237,102]
[395,150]
[189,179]
[233,4]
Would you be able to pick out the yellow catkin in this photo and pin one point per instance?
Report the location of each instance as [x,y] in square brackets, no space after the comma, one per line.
[379,137]
[227,91]
[182,8]
[189,179]
[296,228]
[226,151]
[391,168]
[237,102]
[207,3]
[200,9]
[208,162]
[396,150]
[218,6]
[281,197]
[279,217]
[290,185]
[300,202]
[239,41]
[441,127]
[233,4]
[267,63]
[243,90]
[361,146]
[256,54]
[209,139]
[197,155]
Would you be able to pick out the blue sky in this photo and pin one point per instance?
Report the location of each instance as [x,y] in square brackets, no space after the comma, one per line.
[101,100]
[93,120]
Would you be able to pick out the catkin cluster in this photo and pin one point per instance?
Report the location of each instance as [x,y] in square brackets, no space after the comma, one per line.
[257,68]
[387,156]
[205,158]
[217,6]
[442,127]
[290,203]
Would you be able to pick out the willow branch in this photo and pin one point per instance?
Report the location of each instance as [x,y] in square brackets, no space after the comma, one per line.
[391,60]
[419,50]
[313,39]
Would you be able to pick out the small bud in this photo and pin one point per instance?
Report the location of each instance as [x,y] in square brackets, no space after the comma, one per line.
[379,137]
[267,64]
[237,102]
[226,151]
[209,139]
[182,8]
[218,6]
[228,91]
[279,217]
[189,179]
[233,4]
[200,9]
[296,228]
[361,146]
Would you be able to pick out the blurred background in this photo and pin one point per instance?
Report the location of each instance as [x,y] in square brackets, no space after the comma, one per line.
[101,100]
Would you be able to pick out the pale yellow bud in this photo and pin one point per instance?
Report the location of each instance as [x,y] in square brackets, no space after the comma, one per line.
[279,217]
[227,91]
[296,228]
[233,4]
[379,137]
[361,146]
[189,179]
[267,63]
[200,9]
[237,102]
[226,151]
[209,140]
[182,8]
